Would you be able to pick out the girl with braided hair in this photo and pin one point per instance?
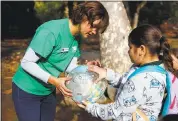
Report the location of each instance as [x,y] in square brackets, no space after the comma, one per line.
[140,91]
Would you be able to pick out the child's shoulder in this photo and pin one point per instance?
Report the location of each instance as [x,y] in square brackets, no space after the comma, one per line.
[147,76]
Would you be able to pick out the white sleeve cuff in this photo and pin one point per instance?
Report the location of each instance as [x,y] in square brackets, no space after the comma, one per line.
[88,107]
[110,74]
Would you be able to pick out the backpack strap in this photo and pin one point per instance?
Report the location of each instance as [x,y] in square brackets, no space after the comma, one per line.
[149,68]
[156,68]
[167,102]
[134,115]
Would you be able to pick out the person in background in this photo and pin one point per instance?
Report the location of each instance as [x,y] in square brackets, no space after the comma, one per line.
[174,56]
[173,75]
[138,98]
[53,49]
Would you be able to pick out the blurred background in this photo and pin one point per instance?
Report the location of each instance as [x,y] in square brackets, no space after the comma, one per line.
[20,19]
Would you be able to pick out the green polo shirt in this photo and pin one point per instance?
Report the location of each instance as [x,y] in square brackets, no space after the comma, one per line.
[55,44]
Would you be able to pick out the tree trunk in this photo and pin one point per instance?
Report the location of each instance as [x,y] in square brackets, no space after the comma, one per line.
[136,15]
[114,41]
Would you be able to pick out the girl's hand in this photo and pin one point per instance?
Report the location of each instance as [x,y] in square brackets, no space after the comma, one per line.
[94,62]
[101,71]
[59,83]
[83,104]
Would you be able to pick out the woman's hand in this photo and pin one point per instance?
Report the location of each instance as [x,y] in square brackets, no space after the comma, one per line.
[94,62]
[100,71]
[59,83]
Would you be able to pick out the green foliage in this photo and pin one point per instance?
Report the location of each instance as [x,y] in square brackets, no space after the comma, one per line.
[48,10]
[174,9]
[159,11]
[173,12]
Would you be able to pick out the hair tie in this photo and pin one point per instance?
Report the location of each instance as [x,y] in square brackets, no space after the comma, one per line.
[162,39]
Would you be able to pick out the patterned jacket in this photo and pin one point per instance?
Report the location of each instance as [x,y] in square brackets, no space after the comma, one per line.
[144,91]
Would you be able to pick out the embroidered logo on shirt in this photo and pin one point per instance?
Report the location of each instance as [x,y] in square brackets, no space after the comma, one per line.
[63,50]
[74,48]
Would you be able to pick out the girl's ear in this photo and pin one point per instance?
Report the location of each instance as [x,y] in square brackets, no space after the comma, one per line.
[142,50]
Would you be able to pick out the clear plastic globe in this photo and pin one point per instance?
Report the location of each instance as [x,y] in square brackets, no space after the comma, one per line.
[82,85]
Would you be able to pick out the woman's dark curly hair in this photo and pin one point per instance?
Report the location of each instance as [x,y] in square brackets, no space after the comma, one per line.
[91,10]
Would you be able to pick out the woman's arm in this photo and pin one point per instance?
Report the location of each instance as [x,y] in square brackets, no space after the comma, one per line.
[29,64]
